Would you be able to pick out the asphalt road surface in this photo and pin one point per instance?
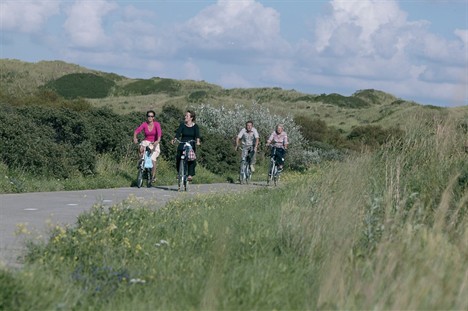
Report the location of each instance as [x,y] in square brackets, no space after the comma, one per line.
[31,215]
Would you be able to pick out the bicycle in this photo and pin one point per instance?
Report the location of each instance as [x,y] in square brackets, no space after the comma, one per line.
[145,167]
[245,174]
[273,170]
[182,175]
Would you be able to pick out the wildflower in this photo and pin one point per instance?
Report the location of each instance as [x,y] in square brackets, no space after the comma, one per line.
[21,228]
[137,281]
[112,227]
[138,247]
[161,242]
[126,242]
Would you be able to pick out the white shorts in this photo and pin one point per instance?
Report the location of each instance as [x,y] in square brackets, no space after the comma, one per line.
[156,151]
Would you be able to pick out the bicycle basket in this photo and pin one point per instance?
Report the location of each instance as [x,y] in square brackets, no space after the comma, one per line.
[148,162]
[191,155]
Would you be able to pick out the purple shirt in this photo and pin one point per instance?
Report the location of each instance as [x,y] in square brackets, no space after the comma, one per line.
[280,139]
[152,135]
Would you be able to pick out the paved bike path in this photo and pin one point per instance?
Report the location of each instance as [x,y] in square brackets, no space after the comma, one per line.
[37,212]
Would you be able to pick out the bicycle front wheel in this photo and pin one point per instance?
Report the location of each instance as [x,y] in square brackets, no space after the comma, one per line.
[149,180]
[186,182]
[140,178]
[181,175]
[271,173]
[248,173]
[276,176]
[242,173]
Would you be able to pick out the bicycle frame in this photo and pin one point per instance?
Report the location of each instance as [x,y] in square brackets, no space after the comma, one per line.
[144,171]
[273,174]
[182,175]
[245,172]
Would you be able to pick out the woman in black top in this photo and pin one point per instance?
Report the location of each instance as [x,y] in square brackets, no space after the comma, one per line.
[186,131]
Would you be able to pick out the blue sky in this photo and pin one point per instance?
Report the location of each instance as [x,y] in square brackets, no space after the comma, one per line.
[416,50]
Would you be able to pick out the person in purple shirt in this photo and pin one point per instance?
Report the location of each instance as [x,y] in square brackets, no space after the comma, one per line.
[279,139]
[152,131]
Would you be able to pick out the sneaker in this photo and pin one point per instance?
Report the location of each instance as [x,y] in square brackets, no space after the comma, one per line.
[252,168]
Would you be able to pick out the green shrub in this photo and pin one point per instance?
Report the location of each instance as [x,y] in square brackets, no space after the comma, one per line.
[319,135]
[374,135]
[168,86]
[62,142]
[150,86]
[85,85]
[46,98]
[342,101]
[197,96]
[217,153]
[312,129]
[140,87]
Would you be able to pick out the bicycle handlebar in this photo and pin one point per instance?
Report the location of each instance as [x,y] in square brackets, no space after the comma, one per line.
[184,142]
[273,146]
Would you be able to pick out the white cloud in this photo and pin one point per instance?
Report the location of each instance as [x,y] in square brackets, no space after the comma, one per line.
[463,35]
[84,25]
[361,17]
[29,17]
[357,44]
[240,25]
[372,44]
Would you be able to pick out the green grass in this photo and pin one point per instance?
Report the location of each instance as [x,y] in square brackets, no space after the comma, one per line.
[384,230]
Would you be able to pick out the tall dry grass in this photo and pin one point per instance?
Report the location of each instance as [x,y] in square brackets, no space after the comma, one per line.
[389,230]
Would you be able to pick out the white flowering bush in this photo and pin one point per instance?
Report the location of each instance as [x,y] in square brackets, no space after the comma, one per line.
[229,121]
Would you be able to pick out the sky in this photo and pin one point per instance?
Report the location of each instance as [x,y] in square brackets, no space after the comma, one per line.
[416,50]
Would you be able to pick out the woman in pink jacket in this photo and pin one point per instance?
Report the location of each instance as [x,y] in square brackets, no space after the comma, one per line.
[152,131]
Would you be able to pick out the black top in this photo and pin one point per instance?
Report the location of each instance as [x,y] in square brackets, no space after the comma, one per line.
[185,133]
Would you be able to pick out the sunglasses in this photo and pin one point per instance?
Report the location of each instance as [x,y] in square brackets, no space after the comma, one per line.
[150,116]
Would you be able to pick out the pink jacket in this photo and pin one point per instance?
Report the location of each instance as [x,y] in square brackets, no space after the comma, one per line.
[153,135]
